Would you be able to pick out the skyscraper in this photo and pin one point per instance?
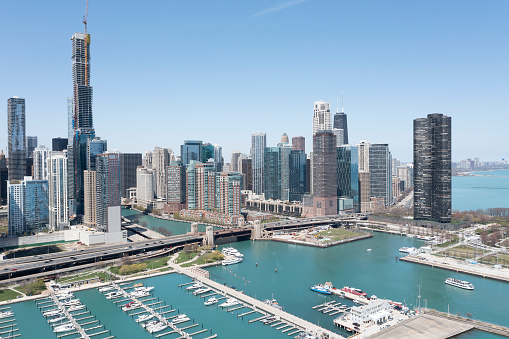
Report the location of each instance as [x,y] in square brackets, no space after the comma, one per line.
[284,159]
[59,144]
[235,161]
[4,176]
[228,192]
[191,150]
[145,186]
[272,173]
[90,185]
[16,132]
[380,163]
[432,168]
[176,187]
[247,173]
[298,175]
[57,184]
[129,162]
[160,160]
[28,206]
[284,138]
[299,144]
[348,174]
[40,156]
[258,142]
[32,144]
[341,123]
[218,158]
[108,193]
[321,116]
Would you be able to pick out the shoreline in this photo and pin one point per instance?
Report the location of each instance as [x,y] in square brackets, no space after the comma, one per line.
[329,244]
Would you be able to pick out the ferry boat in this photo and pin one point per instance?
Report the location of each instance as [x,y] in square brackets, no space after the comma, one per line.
[144,317]
[113,295]
[64,328]
[211,301]
[231,261]
[180,319]
[323,288]
[355,291]
[229,302]
[5,314]
[195,286]
[459,283]
[201,291]
[107,288]
[158,327]
[51,313]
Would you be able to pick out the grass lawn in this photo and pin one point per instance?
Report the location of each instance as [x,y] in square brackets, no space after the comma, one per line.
[158,262]
[146,265]
[83,276]
[183,257]
[206,259]
[34,288]
[463,251]
[7,294]
[165,269]
[336,234]
[503,259]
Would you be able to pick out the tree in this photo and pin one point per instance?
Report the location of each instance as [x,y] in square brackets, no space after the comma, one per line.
[164,231]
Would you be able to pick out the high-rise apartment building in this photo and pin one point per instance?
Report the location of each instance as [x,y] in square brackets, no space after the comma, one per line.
[364,177]
[299,144]
[161,160]
[4,177]
[95,147]
[176,187]
[108,208]
[258,144]
[70,121]
[380,163]
[298,174]
[145,186]
[57,185]
[28,206]
[228,192]
[129,162]
[16,133]
[272,173]
[205,186]
[285,139]
[218,158]
[147,160]
[40,156]
[246,169]
[405,174]
[284,160]
[348,174]
[207,152]
[191,150]
[235,161]
[321,116]
[32,144]
[432,168]
[90,182]
[340,136]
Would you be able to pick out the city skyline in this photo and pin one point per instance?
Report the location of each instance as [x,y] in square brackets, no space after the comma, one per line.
[277,82]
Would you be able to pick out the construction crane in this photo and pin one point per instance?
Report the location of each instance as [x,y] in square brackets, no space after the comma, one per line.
[86,43]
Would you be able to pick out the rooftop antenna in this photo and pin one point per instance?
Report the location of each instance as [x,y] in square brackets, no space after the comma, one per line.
[342,110]
[337,104]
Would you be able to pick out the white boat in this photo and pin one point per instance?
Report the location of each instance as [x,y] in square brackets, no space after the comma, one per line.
[5,314]
[232,252]
[272,302]
[130,306]
[231,261]
[144,289]
[180,319]
[403,249]
[201,291]
[158,327]
[64,328]
[369,250]
[211,301]
[149,323]
[139,294]
[229,302]
[107,288]
[459,283]
[195,286]
[72,302]
[144,317]
[113,295]
[52,313]
[57,319]
[75,308]
[64,296]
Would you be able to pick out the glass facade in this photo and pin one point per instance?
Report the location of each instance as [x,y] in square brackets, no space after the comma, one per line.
[16,149]
[272,173]
[191,150]
[298,175]
[348,174]
[380,163]
[107,187]
[258,142]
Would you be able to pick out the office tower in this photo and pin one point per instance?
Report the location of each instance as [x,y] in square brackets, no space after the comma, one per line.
[396,188]
[29,167]
[284,138]
[95,147]
[284,161]
[247,173]
[340,136]
[207,152]
[341,123]
[82,119]
[432,168]
[299,144]
[57,185]
[321,117]
[365,191]
[380,163]
[28,206]
[4,176]
[31,146]
[90,217]
[176,187]
[228,192]
[59,144]
[160,160]
[147,161]
[395,164]
[325,176]
[129,162]
[272,173]
[70,121]
[348,175]
[108,208]
[218,158]
[191,150]
[258,142]
[235,161]
[145,185]
[16,130]
[40,159]
[308,174]
[298,174]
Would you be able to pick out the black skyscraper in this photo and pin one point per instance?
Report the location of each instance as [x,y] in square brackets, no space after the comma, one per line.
[59,144]
[340,122]
[432,168]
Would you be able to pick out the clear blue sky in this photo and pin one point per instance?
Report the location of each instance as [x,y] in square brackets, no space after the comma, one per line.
[166,71]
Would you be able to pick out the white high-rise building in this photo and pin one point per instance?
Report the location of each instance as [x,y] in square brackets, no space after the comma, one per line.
[57,184]
[40,155]
[145,185]
[321,116]
[147,161]
[160,160]
[363,156]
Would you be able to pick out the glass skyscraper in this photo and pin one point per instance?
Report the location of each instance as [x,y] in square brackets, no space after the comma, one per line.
[16,132]
[258,142]
[298,175]
[348,174]
[192,150]
[108,192]
[380,163]
[272,173]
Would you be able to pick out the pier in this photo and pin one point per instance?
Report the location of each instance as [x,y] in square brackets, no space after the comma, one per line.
[69,316]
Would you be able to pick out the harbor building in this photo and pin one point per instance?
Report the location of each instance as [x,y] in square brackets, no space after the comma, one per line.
[40,156]
[321,116]
[176,187]
[299,144]
[129,162]
[258,144]
[57,185]
[16,129]
[375,312]
[432,168]
[28,206]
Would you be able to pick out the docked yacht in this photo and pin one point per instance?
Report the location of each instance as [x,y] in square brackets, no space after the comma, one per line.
[158,327]
[201,290]
[231,252]
[144,317]
[195,286]
[5,314]
[139,294]
[107,288]
[459,283]
[57,319]
[149,323]
[113,295]
[75,308]
[72,302]
[321,288]
[65,295]
[211,301]
[51,313]
[231,261]
[180,319]
[145,289]
[130,306]
[64,328]
[272,302]
[229,302]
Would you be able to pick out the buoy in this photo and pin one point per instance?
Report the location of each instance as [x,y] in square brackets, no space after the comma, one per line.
[276,270]
[256,264]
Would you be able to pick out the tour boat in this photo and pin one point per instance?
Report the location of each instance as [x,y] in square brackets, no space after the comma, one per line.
[231,261]
[459,283]
[158,327]
[180,319]
[107,288]
[144,317]
[5,314]
[51,313]
[211,301]
[64,328]
[321,288]
[201,291]
[355,291]
[229,302]
[113,295]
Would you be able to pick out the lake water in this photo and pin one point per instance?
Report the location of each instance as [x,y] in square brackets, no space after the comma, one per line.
[488,191]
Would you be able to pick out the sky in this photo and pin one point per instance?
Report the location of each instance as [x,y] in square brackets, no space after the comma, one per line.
[168,71]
